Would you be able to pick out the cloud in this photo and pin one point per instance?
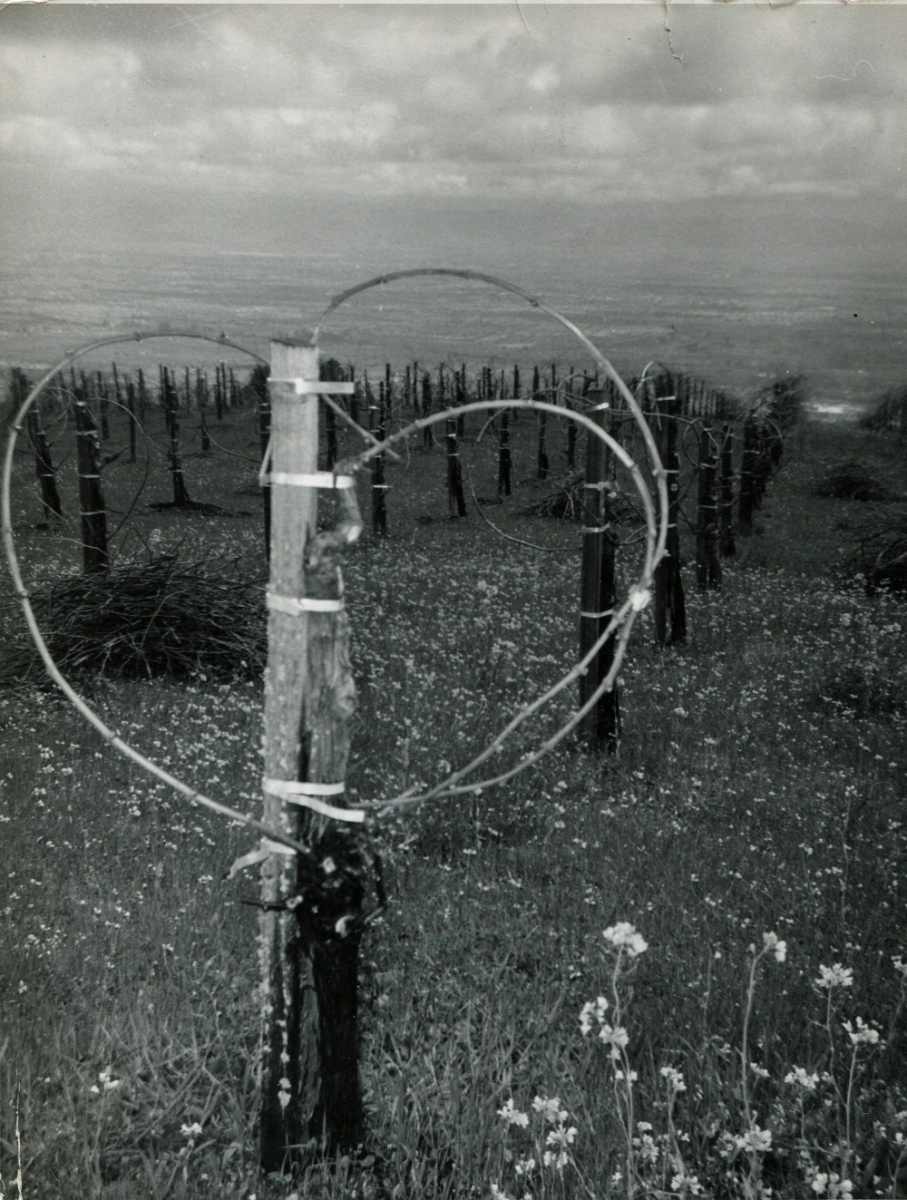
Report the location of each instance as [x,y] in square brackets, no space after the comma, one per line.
[587,101]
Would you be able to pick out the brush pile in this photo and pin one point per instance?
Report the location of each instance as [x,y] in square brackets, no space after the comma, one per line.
[851,480]
[566,504]
[144,620]
[879,555]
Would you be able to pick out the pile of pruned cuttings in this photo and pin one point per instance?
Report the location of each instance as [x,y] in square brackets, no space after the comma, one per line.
[852,480]
[142,620]
[567,504]
[879,551]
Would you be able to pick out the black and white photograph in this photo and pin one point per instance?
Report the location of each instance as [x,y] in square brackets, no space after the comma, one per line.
[453,617]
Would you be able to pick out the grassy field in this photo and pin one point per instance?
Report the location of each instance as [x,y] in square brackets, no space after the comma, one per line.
[752,831]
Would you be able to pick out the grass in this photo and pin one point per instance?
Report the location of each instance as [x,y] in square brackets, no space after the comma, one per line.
[749,797]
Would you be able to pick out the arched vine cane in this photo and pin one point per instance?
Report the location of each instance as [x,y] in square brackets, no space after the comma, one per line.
[624,616]
[53,670]
[638,595]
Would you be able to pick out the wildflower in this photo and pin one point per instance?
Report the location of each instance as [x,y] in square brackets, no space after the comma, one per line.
[771,941]
[562,1136]
[835,1187]
[835,976]
[550,1109]
[191,1131]
[512,1115]
[759,1072]
[630,1076]
[617,1038]
[686,1183]
[899,965]
[592,1008]
[755,1140]
[557,1159]
[800,1077]
[862,1033]
[624,937]
[525,1166]
[674,1078]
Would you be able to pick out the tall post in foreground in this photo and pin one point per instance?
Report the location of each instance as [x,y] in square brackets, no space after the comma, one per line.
[93,511]
[289,1015]
[310,1075]
[601,725]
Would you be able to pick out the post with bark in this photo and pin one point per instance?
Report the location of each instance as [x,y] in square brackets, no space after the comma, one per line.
[104,405]
[601,725]
[312,905]
[201,403]
[708,566]
[44,469]
[92,510]
[171,400]
[505,463]
[379,486]
[747,498]
[130,406]
[541,471]
[456,501]
[726,543]
[670,601]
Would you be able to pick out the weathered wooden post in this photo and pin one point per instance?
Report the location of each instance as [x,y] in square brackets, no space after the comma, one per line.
[312,920]
[130,406]
[541,469]
[44,468]
[505,463]
[708,566]
[747,497]
[601,725]
[456,501]
[379,486]
[726,494]
[92,510]
[670,602]
[171,409]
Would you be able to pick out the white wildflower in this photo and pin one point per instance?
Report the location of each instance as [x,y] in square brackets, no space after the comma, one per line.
[862,1033]
[674,1078]
[755,1140]
[771,941]
[592,1008]
[801,1078]
[835,976]
[624,937]
[512,1115]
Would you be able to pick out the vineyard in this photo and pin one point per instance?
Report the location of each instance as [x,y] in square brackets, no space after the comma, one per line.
[742,847]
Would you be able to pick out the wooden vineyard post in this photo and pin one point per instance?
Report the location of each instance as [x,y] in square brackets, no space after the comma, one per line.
[601,725]
[541,471]
[708,566]
[130,408]
[310,1075]
[504,460]
[44,469]
[201,403]
[456,501]
[747,499]
[726,494]
[92,510]
[379,486]
[104,405]
[670,602]
[171,400]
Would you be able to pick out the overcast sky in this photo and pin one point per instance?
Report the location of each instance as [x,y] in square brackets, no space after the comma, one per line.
[581,102]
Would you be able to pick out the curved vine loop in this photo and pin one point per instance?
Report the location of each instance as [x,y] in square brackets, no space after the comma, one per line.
[109,735]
